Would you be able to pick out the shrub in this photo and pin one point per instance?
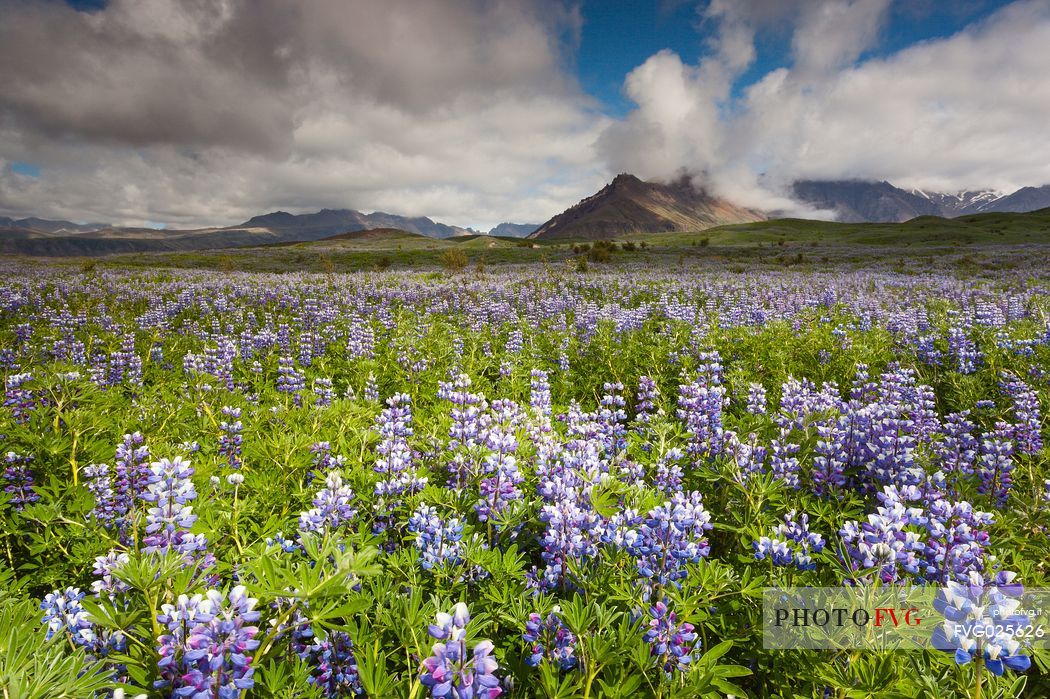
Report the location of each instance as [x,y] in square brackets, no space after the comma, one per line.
[454,260]
[599,254]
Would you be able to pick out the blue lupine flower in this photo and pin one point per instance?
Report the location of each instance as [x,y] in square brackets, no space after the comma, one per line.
[439,541]
[981,619]
[792,542]
[19,399]
[648,397]
[963,349]
[700,406]
[756,399]
[394,455]
[230,438]
[333,664]
[996,464]
[169,518]
[18,480]
[450,672]
[673,643]
[551,640]
[107,582]
[333,508]
[671,536]
[323,392]
[63,613]
[540,392]
[204,653]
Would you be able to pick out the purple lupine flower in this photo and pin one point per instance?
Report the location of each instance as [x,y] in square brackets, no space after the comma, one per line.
[100,485]
[646,406]
[450,672]
[668,476]
[230,438]
[333,664]
[749,457]
[983,618]
[371,389]
[611,417]
[571,533]
[1026,429]
[792,542]
[132,471]
[63,613]
[394,455]
[323,460]
[671,536]
[107,582]
[756,399]
[515,342]
[963,349]
[673,643]
[783,462]
[19,399]
[863,389]
[289,379]
[549,639]
[956,451]
[831,457]
[323,392]
[440,542]
[285,544]
[884,543]
[169,518]
[332,508]
[500,487]
[540,392]
[995,465]
[891,445]
[956,541]
[467,406]
[204,653]
[18,480]
[700,406]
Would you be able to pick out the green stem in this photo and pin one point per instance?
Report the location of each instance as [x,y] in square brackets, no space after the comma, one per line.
[977,674]
[272,636]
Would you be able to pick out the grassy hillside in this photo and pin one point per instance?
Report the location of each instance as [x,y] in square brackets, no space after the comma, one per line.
[971,242]
[986,229]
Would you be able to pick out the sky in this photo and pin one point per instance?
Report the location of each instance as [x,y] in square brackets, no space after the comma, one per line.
[188,113]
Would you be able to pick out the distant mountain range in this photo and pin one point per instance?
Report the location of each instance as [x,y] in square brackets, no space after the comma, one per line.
[326,222]
[625,206]
[514,230]
[629,205]
[64,238]
[46,226]
[858,201]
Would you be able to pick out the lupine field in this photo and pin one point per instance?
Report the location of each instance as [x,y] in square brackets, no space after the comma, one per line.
[396,484]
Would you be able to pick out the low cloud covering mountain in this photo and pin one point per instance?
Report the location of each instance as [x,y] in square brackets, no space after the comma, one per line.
[856,201]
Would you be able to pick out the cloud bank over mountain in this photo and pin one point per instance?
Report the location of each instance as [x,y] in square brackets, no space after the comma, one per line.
[205,112]
[963,112]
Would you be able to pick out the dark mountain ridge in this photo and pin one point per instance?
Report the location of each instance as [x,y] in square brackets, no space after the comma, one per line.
[629,205]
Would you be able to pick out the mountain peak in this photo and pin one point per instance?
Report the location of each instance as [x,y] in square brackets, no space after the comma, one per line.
[630,205]
[625,178]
